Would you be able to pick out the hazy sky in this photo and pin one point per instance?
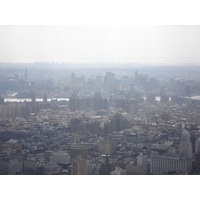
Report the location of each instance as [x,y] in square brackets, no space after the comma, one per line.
[169,44]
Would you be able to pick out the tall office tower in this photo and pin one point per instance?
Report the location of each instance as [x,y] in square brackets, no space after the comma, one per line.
[44,98]
[79,150]
[152,83]
[119,122]
[73,103]
[107,128]
[125,83]
[33,97]
[79,166]
[185,146]
[74,124]
[109,79]
[116,122]
[75,138]
[25,110]
[136,77]
[105,168]
[11,112]
[73,79]
[132,107]
[1,100]
[107,145]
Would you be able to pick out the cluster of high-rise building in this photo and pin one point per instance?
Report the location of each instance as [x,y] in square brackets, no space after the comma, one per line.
[112,123]
[12,110]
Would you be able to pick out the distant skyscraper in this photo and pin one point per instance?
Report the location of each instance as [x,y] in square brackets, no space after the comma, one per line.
[119,122]
[185,146]
[1,100]
[33,97]
[79,166]
[75,138]
[110,78]
[152,83]
[136,77]
[74,123]
[73,103]
[45,98]
[73,79]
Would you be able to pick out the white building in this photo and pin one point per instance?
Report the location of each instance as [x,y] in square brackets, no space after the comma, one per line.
[163,161]
[142,160]
[160,164]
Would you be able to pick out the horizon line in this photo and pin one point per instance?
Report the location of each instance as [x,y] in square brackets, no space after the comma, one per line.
[107,62]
